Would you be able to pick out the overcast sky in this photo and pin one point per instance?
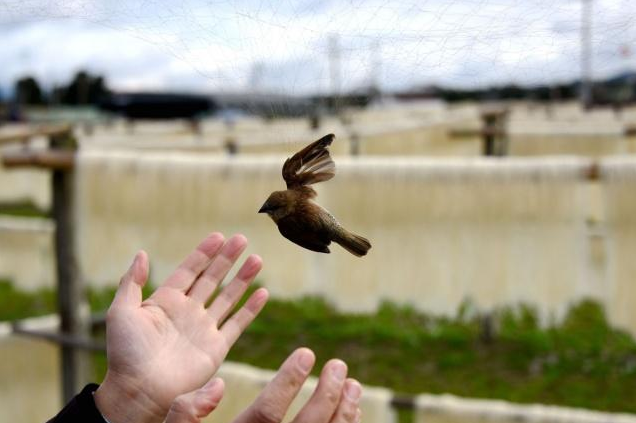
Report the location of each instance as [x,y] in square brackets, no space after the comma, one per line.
[208,46]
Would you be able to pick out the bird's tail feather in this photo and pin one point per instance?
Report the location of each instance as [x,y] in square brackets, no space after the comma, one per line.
[355,244]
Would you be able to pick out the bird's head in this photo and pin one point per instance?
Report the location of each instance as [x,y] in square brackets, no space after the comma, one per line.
[276,206]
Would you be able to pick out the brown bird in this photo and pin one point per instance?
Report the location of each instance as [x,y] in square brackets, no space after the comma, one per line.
[299,219]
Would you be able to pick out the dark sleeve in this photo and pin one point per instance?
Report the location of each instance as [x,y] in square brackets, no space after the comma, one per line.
[81,409]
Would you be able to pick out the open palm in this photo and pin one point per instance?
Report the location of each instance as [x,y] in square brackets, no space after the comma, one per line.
[171,343]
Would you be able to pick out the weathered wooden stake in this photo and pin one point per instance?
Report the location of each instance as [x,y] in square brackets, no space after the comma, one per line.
[231,146]
[489,120]
[71,297]
[354,146]
[487,329]
[495,140]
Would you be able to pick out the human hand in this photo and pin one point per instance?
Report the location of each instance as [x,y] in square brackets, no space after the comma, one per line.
[171,343]
[335,399]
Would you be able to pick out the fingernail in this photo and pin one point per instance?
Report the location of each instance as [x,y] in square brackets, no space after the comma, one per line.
[252,263]
[236,245]
[339,370]
[211,384]
[306,361]
[260,296]
[353,390]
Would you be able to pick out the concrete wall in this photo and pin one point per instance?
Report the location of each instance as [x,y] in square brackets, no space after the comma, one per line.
[619,175]
[26,252]
[442,230]
[18,185]
[451,409]
[30,388]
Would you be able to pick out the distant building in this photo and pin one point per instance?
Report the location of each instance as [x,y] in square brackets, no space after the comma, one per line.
[158,105]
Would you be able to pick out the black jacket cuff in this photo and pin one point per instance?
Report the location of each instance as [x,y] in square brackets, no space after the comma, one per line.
[81,409]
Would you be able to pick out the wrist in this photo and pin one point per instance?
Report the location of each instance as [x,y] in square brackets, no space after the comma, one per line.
[122,402]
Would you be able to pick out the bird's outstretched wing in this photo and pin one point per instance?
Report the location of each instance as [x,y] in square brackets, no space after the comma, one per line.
[310,165]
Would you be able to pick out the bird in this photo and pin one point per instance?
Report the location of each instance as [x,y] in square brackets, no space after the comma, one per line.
[301,220]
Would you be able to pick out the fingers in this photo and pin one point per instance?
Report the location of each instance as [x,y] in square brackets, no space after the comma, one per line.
[207,282]
[232,293]
[335,399]
[129,290]
[348,411]
[198,260]
[236,324]
[324,402]
[193,406]
[272,404]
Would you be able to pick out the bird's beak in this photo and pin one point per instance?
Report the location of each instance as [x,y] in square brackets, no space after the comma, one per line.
[264,208]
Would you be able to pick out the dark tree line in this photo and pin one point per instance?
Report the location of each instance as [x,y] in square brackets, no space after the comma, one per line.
[83,89]
[512,92]
[28,91]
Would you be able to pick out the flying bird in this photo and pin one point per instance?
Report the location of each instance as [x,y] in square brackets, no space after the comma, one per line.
[298,218]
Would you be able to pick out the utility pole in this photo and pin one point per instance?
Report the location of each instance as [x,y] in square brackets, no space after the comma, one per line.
[586,54]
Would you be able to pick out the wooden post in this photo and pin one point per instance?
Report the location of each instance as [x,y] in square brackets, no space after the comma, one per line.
[72,305]
[20,134]
[495,140]
[195,126]
[314,120]
[231,146]
[502,126]
[354,147]
[71,298]
[490,120]
[487,329]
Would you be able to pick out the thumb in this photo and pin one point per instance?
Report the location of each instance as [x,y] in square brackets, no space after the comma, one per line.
[129,291]
[193,406]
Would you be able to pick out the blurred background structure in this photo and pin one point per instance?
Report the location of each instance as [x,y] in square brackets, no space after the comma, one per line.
[487,149]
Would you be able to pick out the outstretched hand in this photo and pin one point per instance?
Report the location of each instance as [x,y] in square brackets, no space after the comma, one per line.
[171,343]
[335,399]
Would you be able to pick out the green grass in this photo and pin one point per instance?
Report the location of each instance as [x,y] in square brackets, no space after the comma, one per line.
[580,361]
[22,209]
[15,304]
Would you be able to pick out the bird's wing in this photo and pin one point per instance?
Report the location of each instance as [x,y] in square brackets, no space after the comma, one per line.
[310,165]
